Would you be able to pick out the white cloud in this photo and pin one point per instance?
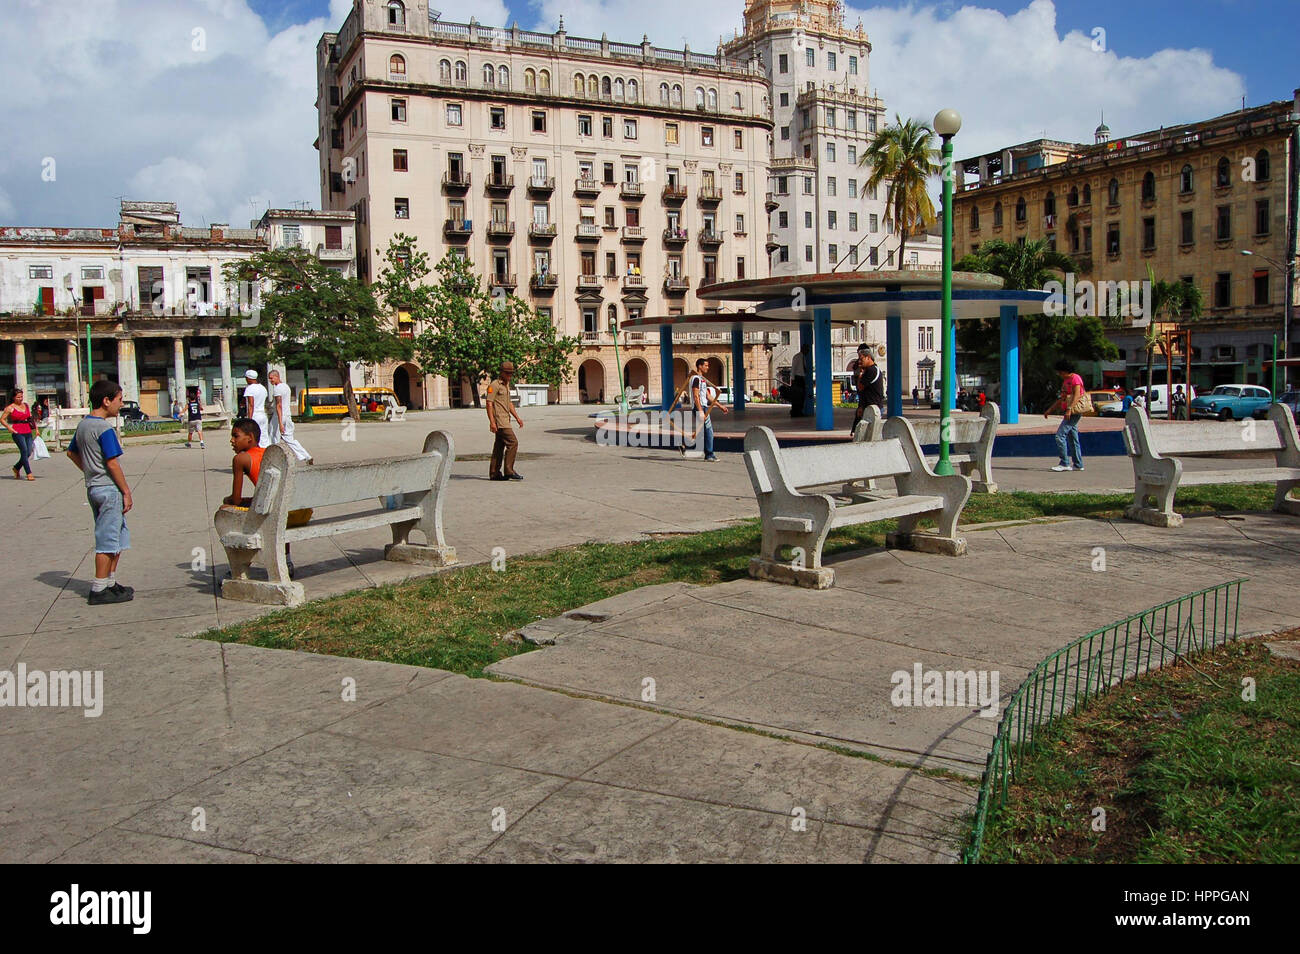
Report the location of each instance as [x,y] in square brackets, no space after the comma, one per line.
[668,23]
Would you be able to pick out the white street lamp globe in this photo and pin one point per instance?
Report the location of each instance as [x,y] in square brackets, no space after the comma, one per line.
[947,122]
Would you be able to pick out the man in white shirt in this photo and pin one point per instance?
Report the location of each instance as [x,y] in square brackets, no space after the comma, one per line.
[255,406]
[282,417]
[704,398]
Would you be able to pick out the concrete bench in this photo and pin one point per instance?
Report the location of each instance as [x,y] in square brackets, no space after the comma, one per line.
[1155,450]
[970,442]
[214,414]
[803,520]
[417,484]
[395,412]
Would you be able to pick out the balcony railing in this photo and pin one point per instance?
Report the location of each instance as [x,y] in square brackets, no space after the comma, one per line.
[458,227]
[677,286]
[455,180]
[710,237]
[590,281]
[771,203]
[500,229]
[541,183]
[634,281]
[631,190]
[502,281]
[586,187]
[587,232]
[674,193]
[773,241]
[545,282]
[500,183]
[674,236]
[633,233]
[542,230]
[709,195]
[343,252]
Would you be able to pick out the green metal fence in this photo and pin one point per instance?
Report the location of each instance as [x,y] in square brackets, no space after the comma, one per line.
[1085,668]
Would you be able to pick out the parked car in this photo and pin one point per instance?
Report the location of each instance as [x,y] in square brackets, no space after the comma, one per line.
[1156,407]
[1101,398]
[1290,398]
[131,411]
[1232,402]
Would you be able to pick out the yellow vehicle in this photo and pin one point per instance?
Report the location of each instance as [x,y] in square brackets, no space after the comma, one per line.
[327,401]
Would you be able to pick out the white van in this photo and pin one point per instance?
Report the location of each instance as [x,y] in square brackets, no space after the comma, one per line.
[1159,403]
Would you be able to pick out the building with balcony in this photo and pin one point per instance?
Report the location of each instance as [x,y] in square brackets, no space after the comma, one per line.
[1186,201]
[441,130]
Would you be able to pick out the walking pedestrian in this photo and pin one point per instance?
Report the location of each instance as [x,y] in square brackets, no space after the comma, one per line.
[869,382]
[1074,403]
[282,417]
[704,398]
[18,421]
[916,398]
[97,453]
[194,414]
[1180,403]
[499,410]
[255,406]
[799,380]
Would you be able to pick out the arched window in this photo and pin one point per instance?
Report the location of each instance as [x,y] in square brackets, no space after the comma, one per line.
[1112,192]
[713,99]
[633,91]
[699,97]
[1262,173]
[974,218]
[530,80]
[544,81]
[444,71]
[677,94]
[1223,174]
[997,215]
[664,94]
[606,87]
[1022,210]
[618,89]
[489,75]
[735,101]
[1073,198]
[462,72]
[1049,204]
[1087,193]
[503,77]
[593,86]
[1149,187]
[1185,179]
[397,15]
[397,66]
[579,84]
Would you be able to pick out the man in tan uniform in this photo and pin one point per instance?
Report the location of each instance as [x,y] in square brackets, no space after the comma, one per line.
[499,411]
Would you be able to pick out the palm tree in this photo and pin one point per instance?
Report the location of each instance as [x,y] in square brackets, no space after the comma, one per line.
[903,156]
[1170,301]
[1030,265]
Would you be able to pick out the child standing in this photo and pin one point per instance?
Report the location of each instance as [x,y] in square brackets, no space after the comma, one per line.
[97,453]
[194,412]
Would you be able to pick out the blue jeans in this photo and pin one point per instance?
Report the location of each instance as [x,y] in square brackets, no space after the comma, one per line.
[24,442]
[1069,431]
[708,437]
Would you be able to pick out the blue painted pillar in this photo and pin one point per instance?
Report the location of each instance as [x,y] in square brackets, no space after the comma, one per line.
[738,367]
[806,340]
[1010,326]
[949,372]
[666,390]
[822,364]
[894,364]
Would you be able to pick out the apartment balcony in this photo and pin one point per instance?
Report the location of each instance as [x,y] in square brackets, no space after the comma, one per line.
[590,337]
[589,281]
[677,286]
[500,184]
[773,241]
[587,232]
[676,238]
[710,237]
[770,203]
[541,184]
[708,195]
[633,234]
[501,280]
[458,228]
[500,229]
[544,284]
[634,191]
[341,254]
[542,231]
[674,194]
[586,187]
[634,282]
[455,181]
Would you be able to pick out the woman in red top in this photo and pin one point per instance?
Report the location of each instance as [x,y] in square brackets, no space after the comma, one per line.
[17,419]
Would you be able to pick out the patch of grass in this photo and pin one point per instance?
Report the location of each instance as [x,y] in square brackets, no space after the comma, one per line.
[457,620]
[1185,769]
[1026,505]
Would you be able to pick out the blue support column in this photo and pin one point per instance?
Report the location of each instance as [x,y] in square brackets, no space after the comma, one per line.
[806,340]
[894,364]
[738,367]
[822,365]
[949,372]
[1010,326]
[666,390]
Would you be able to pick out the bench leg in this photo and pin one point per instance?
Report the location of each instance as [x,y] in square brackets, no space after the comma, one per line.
[1283,504]
[401,550]
[268,593]
[1162,514]
[804,569]
[946,542]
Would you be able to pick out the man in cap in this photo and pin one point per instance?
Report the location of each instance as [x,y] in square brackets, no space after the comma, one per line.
[499,411]
[255,406]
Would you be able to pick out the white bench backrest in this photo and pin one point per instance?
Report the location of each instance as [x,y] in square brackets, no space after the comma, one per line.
[324,485]
[963,430]
[1185,439]
[834,463]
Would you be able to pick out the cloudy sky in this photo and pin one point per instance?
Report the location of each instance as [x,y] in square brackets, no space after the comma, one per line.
[209,103]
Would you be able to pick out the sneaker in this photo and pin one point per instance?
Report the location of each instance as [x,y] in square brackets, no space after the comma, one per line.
[1078,467]
[202,445]
[1060,467]
[188,445]
[110,595]
[712,458]
[514,476]
[128,590]
[497,477]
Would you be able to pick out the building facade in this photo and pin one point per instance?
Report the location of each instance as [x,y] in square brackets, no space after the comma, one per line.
[1212,203]
[145,303]
[597,180]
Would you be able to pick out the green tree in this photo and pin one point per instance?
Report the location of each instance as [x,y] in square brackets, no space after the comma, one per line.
[1044,339]
[1169,302]
[903,156]
[469,333]
[311,316]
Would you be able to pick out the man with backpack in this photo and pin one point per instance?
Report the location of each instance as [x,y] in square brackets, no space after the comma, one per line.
[704,397]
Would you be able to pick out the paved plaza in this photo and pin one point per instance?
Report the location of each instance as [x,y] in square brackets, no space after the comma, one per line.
[562,757]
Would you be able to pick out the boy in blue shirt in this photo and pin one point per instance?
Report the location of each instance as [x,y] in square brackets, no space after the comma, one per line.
[97,453]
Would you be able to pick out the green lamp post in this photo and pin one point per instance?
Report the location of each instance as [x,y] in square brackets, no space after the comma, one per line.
[618,366]
[947,122]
